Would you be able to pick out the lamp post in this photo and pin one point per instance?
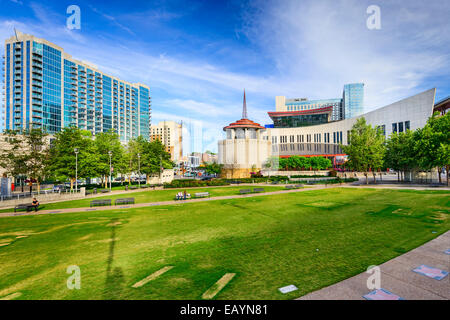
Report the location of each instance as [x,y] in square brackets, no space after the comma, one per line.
[110,154]
[76,169]
[139,169]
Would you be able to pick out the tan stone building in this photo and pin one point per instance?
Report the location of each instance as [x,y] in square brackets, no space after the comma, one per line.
[170,134]
[245,149]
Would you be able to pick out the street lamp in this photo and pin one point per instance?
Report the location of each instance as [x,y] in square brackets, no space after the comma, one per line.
[139,169]
[76,169]
[110,154]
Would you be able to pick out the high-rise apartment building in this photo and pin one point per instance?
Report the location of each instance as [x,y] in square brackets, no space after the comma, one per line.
[170,134]
[46,88]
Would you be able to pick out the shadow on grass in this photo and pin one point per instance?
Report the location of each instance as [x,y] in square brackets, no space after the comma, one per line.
[114,283]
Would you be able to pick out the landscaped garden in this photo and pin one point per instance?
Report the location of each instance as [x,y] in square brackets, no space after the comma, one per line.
[310,239]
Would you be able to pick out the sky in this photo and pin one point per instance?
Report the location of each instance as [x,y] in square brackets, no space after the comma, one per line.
[199,56]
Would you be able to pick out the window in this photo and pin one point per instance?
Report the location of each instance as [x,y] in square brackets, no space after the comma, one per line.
[394,127]
[334,137]
[340,137]
[400,127]
[407,125]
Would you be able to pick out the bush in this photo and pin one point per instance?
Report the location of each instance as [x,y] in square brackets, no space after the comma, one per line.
[188,183]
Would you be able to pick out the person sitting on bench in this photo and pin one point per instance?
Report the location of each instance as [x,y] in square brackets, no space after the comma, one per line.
[35,204]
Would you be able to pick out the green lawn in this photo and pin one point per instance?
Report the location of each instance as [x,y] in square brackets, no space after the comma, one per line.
[152,196]
[310,239]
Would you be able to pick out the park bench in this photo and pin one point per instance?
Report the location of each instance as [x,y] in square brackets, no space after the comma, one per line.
[105,202]
[244,191]
[133,188]
[144,187]
[290,187]
[104,191]
[124,201]
[274,182]
[25,206]
[299,186]
[258,189]
[201,194]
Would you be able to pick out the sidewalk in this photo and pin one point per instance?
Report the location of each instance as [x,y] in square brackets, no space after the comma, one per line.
[160,203]
[398,277]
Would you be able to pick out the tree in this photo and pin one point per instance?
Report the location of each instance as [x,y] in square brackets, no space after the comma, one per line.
[400,154]
[105,143]
[13,159]
[213,168]
[62,155]
[366,148]
[154,158]
[432,144]
[37,155]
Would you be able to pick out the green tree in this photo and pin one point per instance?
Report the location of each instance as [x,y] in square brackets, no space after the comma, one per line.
[400,153]
[62,155]
[37,155]
[213,168]
[154,158]
[105,143]
[432,144]
[13,158]
[366,148]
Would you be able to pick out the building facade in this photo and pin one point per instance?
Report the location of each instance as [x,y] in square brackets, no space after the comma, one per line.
[245,148]
[46,88]
[324,139]
[350,105]
[170,133]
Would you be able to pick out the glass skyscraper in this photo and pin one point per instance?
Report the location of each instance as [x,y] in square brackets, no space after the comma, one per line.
[46,88]
[353,100]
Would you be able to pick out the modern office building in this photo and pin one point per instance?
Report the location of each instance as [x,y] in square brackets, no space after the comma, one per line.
[350,105]
[170,134]
[309,133]
[353,100]
[46,88]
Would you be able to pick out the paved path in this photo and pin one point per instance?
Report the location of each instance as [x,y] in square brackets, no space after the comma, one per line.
[159,203]
[398,278]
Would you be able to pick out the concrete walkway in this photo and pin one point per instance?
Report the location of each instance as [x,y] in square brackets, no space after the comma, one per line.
[398,278]
[159,203]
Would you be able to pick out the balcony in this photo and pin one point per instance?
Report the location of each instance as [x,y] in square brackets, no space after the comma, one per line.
[36,89]
[36,65]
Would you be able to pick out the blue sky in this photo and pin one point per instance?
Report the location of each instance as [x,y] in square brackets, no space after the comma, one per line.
[198,56]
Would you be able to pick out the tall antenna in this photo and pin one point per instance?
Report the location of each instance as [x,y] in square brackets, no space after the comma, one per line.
[15,32]
[244,109]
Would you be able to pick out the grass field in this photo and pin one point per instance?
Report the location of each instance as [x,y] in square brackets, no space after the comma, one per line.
[310,239]
[152,196]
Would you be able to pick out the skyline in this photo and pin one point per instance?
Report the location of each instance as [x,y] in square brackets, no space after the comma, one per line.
[197,67]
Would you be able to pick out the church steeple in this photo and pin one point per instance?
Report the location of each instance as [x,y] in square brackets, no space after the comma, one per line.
[244,109]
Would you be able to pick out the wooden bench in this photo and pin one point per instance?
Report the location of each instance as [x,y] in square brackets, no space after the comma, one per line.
[144,187]
[124,201]
[202,195]
[105,202]
[244,191]
[290,187]
[274,182]
[104,191]
[299,186]
[258,189]
[25,206]
[133,188]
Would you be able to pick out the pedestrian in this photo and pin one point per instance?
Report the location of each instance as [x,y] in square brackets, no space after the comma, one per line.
[35,204]
[31,186]
[184,194]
